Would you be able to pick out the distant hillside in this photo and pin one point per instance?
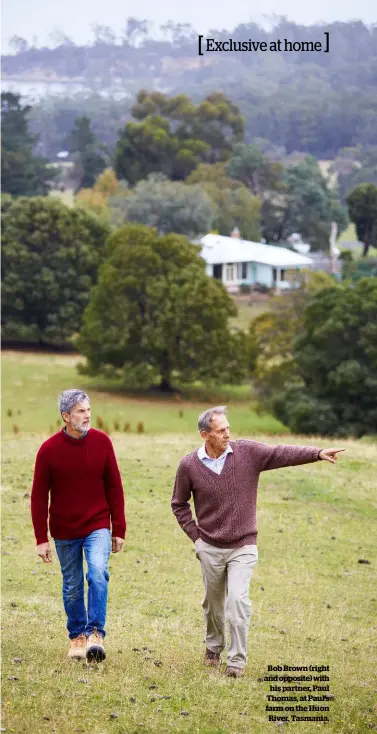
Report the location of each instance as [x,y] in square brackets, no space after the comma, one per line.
[303,101]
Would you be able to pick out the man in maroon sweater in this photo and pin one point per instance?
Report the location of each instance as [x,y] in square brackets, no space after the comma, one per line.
[77,470]
[222,476]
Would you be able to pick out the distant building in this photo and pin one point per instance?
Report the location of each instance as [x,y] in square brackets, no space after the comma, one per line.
[235,262]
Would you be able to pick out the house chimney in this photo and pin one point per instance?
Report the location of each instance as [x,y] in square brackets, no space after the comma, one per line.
[235,233]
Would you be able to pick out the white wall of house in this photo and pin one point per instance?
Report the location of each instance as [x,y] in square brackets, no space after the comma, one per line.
[233,274]
[237,273]
[264,275]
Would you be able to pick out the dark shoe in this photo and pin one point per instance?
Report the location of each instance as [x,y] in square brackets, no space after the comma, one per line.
[234,672]
[95,650]
[212,659]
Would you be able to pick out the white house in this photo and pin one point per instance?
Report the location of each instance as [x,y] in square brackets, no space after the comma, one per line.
[236,261]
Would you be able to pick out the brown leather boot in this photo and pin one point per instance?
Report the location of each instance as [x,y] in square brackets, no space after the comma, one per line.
[77,650]
[234,672]
[212,659]
[95,649]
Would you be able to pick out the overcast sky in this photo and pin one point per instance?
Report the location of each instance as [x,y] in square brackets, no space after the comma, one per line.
[39,18]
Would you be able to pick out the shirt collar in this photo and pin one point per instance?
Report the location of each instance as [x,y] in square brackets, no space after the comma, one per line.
[78,438]
[202,454]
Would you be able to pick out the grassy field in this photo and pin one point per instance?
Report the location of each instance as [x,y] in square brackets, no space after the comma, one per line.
[313,602]
[32,382]
[248,310]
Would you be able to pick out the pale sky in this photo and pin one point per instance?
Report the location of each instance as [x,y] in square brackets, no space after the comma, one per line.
[39,18]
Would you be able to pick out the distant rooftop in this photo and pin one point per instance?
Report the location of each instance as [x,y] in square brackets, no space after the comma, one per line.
[218,249]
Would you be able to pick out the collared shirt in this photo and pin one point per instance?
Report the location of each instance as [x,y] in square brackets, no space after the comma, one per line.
[215,465]
[76,437]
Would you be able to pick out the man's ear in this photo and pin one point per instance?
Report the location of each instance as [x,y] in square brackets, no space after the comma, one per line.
[204,435]
[64,416]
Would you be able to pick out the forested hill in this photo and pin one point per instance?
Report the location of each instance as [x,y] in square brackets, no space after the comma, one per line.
[309,101]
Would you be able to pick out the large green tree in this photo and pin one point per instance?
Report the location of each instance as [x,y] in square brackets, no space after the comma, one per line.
[362,208]
[169,206]
[50,259]
[22,173]
[89,154]
[255,170]
[235,205]
[335,390]
[155,314]
[275,331]
[294,198]
[174,135]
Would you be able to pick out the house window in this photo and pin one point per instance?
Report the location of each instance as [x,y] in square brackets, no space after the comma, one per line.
[230,272]
[241,271]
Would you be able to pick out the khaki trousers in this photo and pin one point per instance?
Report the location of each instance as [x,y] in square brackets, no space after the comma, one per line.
[226,576]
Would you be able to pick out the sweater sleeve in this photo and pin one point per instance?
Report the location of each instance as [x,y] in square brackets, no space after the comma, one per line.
[115,494]
[40,495]
[267,457]
[180,502]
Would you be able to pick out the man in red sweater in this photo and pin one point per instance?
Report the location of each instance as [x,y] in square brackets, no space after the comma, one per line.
[77,470]
[222,476]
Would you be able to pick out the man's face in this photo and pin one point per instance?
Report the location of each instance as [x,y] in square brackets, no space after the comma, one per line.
[79,417]
[219,434]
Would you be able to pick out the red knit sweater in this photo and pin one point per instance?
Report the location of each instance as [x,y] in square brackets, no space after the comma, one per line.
[226,504]
[82,478]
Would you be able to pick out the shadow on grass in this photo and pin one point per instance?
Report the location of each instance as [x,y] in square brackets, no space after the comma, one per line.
[184,393]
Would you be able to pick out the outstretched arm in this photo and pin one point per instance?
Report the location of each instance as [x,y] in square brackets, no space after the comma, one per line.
[267,457]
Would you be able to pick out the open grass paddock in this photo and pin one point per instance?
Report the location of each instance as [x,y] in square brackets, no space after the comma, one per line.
[313,602]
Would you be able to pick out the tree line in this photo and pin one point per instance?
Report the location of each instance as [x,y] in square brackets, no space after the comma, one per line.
[326,102]
[140,307]
[185,168]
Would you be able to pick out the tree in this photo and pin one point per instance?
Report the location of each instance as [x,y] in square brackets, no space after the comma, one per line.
[173,135]
[362,208]
[89,154]
[182,34]
[250,166]
[295,198]
[155,314]
[235,205]
[274,333]
[19,44]
[354,166]
[307,206]
[167,205]
[51,255]
[336,361]
[96,199]
[103,34]
[22,173]
[135,30]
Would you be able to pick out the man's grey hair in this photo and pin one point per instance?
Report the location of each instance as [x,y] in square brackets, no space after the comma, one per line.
[69,398]
[204,420]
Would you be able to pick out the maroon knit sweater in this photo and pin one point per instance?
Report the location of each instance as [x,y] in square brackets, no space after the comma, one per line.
[82,478]
[225,504]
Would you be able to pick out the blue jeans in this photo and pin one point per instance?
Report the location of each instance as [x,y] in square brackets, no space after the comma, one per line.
[97,547]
